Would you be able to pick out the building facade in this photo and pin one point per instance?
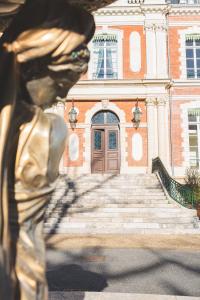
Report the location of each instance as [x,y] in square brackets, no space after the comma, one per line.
[141,96]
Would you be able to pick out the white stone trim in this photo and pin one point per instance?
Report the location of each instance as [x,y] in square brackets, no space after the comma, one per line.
[185,134]
[127,125]
[120,36]
[182,49]
[178,10]
[135,51]
[118,20]
[76,171]
[137,151]
[87,135]
[73,146]
[179,171]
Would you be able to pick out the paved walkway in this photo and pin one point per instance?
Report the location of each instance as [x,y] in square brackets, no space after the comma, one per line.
[113,296]
[143,267]
[183,242]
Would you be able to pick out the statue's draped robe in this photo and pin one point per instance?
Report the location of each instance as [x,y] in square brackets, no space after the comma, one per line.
[10,8]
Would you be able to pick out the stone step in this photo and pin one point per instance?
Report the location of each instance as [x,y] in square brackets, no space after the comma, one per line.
[99,215]
[94,231]
[123,204]
[91,205]
[118,226]
[80,219]
[170,210]
[103,202]
[114,191]
[113,296]
[131,183]
[112,198]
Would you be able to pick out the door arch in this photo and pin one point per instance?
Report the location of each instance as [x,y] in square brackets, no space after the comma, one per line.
[105,143]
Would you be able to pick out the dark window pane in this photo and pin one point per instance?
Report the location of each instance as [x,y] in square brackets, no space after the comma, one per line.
[190,73]
[192,118]
[198,63]
[112,140]
[194,163]
[198,53]
[190,63]
[197,42]
[189,42]
[98,118]
[198,73]
[189,53]
[193,140]
[193,127]
[97,140]
[174,1]
[111,118]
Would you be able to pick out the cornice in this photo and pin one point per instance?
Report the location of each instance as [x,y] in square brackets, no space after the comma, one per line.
[119,11]
[176,10]
[133,9]
[155,9]
[124,82]
[186,83]
[141,8]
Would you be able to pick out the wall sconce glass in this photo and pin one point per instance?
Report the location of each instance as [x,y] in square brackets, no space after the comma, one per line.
[137,113]
[73,116]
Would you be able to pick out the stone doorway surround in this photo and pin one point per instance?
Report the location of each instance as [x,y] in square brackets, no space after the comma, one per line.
[100,106]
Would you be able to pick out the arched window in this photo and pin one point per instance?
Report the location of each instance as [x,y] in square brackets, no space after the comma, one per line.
[105,117]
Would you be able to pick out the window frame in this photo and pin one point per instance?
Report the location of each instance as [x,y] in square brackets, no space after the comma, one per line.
[194,59]
[197,124]
[119,35]
[182,50]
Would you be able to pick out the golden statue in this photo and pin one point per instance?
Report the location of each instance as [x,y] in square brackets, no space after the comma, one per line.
[43,53]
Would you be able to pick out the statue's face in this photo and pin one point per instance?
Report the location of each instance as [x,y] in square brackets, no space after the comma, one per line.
[47,81]
[44,91]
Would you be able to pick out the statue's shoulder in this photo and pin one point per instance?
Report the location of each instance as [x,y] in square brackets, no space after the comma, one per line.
[41,144]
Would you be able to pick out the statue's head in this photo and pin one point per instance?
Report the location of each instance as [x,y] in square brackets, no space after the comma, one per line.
[49,39]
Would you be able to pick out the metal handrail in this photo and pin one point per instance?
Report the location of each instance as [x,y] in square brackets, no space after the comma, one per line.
[181,193]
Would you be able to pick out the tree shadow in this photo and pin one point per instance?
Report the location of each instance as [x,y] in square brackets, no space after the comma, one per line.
[165,272]
[74,278]
[67,199]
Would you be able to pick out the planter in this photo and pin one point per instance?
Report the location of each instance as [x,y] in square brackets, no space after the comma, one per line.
[198,210]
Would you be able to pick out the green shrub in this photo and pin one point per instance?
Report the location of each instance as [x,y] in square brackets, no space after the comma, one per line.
[192,180]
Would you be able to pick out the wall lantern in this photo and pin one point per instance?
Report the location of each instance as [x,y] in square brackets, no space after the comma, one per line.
[73,116]
[137,113]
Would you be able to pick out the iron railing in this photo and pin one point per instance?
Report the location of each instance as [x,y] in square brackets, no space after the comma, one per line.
[181,193]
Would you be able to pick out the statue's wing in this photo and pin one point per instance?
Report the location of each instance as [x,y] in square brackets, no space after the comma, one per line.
[10,7]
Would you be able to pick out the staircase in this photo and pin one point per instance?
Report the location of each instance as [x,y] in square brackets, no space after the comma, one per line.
[116,204]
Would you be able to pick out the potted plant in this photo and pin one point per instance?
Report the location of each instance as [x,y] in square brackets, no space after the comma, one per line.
[193,181]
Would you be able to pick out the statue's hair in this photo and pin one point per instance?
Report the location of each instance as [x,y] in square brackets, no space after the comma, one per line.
[47,14]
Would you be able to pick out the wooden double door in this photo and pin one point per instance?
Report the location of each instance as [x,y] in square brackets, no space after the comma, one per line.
[105,149]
